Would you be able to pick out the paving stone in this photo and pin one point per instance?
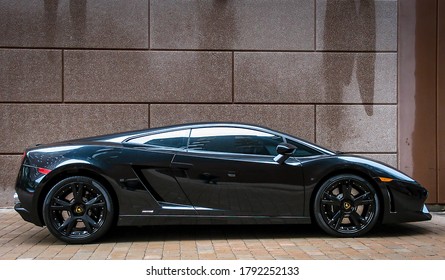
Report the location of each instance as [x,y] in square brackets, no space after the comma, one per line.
[416,241]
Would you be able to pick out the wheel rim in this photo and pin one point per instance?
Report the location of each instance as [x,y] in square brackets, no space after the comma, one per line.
[348,206]
[78,209]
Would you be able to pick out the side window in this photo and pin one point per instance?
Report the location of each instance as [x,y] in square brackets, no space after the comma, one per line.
[302,150]
[234,140]
[172,139]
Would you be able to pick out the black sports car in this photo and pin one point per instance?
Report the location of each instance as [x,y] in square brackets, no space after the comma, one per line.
[208,173]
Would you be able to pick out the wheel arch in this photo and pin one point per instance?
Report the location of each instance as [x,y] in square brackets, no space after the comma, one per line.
[77,170]
[351,171]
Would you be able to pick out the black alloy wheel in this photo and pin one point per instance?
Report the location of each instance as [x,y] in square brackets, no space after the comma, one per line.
[346,206]
[78,210]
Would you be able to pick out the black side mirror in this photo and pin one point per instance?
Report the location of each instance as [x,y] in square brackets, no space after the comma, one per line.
[284,150]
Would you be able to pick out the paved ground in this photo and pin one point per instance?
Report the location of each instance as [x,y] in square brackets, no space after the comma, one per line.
[425,240]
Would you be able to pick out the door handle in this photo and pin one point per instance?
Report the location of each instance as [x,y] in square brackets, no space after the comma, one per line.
[182,165]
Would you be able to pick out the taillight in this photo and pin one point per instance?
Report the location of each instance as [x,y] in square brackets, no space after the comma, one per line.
[43,170]
[23,156]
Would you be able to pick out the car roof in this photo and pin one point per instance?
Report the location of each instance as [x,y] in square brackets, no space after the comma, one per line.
[122,136]
[128,136]
[202,125]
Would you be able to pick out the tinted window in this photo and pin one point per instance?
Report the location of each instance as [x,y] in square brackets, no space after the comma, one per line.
[302,150]
[172,139]
[234,140]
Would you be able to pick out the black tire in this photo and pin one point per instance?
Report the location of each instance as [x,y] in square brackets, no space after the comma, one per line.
[346,206]
[78,210]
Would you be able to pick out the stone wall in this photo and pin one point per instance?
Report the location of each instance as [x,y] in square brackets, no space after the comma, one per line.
[323,70]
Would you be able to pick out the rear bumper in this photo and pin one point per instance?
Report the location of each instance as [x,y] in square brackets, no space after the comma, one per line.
[23,213]
[25,199]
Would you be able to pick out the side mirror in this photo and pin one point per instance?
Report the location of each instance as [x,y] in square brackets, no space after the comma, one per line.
[284,150]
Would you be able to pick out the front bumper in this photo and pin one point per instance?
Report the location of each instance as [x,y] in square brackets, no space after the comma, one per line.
[406,202]
[425,210]
[408,216]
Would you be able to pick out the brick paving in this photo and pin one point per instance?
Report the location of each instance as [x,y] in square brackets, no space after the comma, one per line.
[424,240]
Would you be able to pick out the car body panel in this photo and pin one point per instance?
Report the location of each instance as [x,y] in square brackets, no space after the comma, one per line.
[162,185]
[229,184]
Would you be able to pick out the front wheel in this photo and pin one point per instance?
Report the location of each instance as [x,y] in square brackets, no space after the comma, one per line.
[346,206]
[78,210]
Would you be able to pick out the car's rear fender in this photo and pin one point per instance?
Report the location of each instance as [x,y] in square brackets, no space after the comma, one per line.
[69,170]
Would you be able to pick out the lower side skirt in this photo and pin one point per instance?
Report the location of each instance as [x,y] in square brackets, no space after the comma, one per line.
[129,220]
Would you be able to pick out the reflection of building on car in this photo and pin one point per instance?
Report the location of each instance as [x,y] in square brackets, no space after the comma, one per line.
[208,173]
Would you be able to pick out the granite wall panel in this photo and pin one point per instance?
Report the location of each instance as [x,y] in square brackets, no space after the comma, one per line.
[30,75]
[74,24]
[278,77]
[10,165]
[350,128]
[154,76]
[233,24]
[346,25]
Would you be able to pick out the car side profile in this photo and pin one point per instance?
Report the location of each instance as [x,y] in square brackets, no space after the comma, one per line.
[208,173]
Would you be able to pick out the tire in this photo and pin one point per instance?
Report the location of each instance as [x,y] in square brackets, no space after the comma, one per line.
[346,206]
[78,210]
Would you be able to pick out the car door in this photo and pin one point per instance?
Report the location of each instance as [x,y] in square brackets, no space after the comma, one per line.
[230,171]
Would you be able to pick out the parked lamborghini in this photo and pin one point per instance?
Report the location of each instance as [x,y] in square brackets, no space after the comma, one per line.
[208,173]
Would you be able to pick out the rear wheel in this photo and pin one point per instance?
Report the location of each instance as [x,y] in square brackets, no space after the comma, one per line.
[78,210]
[346,206]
